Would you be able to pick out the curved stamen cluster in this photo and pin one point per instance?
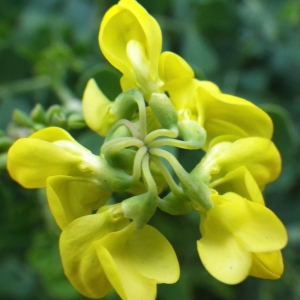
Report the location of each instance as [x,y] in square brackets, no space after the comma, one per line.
[146,151]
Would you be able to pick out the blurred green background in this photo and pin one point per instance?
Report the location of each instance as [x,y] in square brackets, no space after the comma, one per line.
[49,49]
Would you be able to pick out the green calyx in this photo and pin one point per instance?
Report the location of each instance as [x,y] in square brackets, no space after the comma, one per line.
[133,161]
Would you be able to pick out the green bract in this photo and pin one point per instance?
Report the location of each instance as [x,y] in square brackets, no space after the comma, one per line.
[106,244]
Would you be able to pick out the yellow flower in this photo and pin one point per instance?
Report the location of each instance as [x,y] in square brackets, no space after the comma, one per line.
[241,182]
[241,238]
[48,152]
[105,249]
[131,41]
[258,155]
[202,101]
[52,158]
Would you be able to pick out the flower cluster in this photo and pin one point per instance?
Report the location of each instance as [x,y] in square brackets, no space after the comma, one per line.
[105,244]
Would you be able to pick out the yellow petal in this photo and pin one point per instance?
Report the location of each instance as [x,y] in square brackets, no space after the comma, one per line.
[162,264]
[183,94]
[218,113]
[241,182]
[136,260]
[127,21]
[52,134]
[222,256]
[79,258]
[49,152]
[173,67]
[233,229]
[31,161]
[127,84]
[267,265]
[255,226]
[258,155]
[96,109]
[70,198]
[223,138]
[226,114]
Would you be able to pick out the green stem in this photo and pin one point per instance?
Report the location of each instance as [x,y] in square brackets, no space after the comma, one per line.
[190,145]
[117,144]
[151,185]
[64,94]
[176,190]
[194,188]
[157,133]
[113,128]
[179,170]
[135,133]
[25,85]
[138,161]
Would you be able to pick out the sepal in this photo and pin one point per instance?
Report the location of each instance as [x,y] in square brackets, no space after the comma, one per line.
[175,205]
[192,133]
[197,191]
[125,105]
[38,114]
[113,179]
[140,208]
[164,111]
